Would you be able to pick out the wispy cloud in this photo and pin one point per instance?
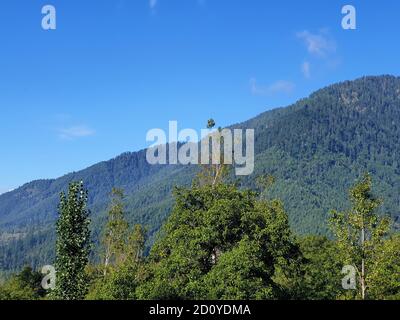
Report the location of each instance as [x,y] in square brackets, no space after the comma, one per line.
[75,132]
[318,44]
[306,69]
[322,52]
[278,87]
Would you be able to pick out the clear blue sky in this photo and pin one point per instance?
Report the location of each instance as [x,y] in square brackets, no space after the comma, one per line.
[113,69]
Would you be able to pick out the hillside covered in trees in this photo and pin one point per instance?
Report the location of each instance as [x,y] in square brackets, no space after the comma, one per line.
[220,242]
[315,150]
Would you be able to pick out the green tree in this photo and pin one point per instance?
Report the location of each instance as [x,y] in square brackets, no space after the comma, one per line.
[384,278]
[121,282]
[360,232]
[25,285]
[114,240]
[217,168]
[220,243]
[123,255]
[73,244]
[136,244]
[320,276]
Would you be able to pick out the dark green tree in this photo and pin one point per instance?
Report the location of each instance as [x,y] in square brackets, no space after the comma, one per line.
[220,243]
[320,276]
[25,285]
[73,244]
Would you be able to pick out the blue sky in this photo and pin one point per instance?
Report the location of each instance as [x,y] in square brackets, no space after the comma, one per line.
[114,69]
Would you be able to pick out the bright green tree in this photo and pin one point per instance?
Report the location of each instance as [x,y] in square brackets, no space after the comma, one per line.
[121,282]
[136,244]
[115,235]
[73,244]
[384,278]
[360,232]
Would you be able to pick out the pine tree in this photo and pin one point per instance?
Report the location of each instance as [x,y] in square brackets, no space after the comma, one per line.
[73,244]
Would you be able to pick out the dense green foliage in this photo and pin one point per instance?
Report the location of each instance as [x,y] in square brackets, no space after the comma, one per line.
[220,242]
[360,233]
[321,275]
[25,285]
[72,245]
[385,272]
[315,149]
[123,277]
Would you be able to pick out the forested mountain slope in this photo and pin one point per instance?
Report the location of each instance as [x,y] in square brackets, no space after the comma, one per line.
[315,149]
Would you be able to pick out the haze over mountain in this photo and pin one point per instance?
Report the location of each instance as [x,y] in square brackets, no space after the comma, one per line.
[315,149]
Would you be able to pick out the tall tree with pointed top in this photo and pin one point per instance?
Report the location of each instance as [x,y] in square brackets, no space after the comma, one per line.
[73,244]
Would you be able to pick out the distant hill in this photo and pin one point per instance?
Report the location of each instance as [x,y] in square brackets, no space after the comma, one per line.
[315,148]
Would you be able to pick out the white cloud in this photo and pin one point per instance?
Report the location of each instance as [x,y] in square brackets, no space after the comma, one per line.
[278,87]
[152,4]
[306,69]
[75,132]
[317,44]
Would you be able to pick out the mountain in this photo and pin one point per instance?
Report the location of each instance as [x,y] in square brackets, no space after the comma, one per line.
[315,149]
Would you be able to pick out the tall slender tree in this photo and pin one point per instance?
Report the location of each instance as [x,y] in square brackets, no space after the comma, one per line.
[217,169]
[136,243]
[360,231]
[114,240]
[73,244]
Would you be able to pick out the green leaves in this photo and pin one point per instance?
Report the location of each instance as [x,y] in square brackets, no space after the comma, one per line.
[220,243]
[360,233]
[384,276]
[25,285]
[72,245]
[123,265]
[116,232]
